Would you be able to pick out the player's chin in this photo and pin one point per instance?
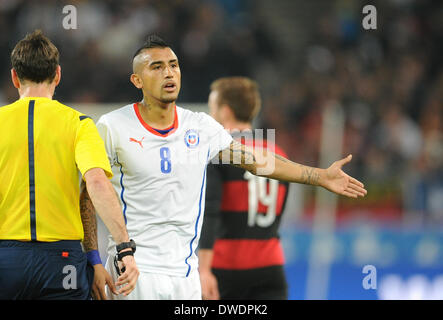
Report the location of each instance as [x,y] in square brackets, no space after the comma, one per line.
[169,98]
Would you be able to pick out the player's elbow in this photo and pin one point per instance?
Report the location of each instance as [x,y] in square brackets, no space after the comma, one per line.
[96,179]
[252,169]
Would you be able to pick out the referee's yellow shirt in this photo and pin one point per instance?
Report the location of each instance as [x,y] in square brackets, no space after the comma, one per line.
[43,144]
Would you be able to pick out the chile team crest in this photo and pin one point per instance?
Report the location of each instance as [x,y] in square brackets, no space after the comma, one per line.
[192,138]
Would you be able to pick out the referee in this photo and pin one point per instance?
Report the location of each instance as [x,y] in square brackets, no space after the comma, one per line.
[43,146]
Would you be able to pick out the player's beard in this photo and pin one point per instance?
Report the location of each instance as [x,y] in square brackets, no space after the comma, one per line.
[169,98]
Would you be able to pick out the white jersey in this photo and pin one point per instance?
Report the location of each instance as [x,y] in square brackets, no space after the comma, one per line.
[161,181]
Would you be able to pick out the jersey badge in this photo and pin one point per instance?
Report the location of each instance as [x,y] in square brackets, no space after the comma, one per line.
[192,138]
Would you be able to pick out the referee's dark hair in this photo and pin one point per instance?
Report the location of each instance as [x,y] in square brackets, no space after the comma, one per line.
[35,58]
[152,41]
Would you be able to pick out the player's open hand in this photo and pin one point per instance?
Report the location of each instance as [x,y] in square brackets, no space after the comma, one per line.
[209,286]
[337,181]
[129,277]
[102,278]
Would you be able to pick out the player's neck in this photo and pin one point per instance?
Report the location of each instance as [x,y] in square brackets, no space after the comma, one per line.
[237,125]
[42,90]
[156,115]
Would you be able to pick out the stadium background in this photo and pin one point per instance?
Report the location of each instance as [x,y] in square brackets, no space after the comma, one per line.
[376,93]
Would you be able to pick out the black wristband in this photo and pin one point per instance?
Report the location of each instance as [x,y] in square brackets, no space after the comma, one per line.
[126,245]
[120,255]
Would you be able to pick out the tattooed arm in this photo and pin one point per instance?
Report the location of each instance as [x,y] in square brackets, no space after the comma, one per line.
[101,276]
[89,221]
[267,164]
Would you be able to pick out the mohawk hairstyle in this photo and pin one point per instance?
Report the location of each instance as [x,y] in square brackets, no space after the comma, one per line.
[152,41]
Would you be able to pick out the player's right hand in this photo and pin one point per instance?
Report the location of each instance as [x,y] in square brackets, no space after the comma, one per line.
[209,286]
[128,279]
[337,181]
[101,279]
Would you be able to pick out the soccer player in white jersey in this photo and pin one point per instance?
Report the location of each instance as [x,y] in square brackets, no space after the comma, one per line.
[158,153]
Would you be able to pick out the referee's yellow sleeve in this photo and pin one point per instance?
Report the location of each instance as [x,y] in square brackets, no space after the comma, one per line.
[90,149]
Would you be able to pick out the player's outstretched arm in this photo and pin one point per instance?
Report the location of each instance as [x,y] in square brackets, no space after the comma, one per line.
[267,164]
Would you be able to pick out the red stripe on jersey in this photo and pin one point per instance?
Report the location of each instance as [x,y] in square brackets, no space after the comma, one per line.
[152,130]
[247,254]
[235,197]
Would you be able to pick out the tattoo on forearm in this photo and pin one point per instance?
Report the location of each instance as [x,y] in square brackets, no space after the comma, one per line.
[309,175]
[246,157]
[239,156]
[87,212]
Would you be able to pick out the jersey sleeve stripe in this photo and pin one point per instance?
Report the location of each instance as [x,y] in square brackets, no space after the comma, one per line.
[31,169]
[84,117]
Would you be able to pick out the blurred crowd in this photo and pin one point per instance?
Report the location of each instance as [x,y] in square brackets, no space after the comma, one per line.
[388,81]
[97,56]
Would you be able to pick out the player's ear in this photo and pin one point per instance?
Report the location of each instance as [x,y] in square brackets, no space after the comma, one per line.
[136,81]
[15,79]
[58,75]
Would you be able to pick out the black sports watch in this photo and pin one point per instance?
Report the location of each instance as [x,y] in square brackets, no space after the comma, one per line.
[126,245]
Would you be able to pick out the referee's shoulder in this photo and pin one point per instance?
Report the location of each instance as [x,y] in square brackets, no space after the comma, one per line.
[72,112]
[6,107]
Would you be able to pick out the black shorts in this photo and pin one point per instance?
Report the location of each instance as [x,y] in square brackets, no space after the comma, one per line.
[268,283]
[44,270]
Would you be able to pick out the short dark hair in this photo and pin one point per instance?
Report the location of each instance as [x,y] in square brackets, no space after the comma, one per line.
[241,94]
[152,41]
[35,58]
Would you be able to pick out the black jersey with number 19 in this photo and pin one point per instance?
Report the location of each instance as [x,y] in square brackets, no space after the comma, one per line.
[242,218]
